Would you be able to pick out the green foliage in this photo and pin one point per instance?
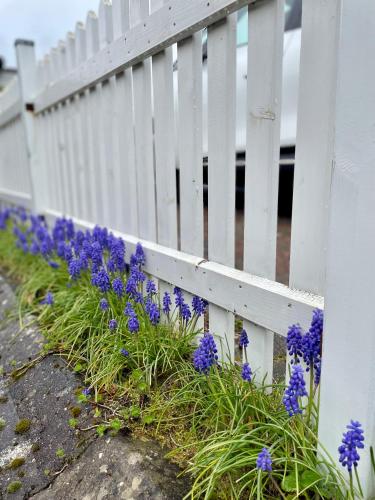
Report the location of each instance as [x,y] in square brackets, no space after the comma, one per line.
[60,453]
[216,423]
[14,486]
[2,423]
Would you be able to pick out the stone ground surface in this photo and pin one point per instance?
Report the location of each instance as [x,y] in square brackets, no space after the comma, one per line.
[92,469]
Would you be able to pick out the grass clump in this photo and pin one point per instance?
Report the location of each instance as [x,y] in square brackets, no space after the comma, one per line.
[2,423]
[22,426]
[14,486]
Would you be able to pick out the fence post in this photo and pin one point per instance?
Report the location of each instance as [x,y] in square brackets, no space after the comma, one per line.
[27,74]
[348,376]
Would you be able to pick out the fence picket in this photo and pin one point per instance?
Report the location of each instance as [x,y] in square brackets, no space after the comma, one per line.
[221,92]
[106,97]
[189,130]
[262,162]
[93,122]
[144,154]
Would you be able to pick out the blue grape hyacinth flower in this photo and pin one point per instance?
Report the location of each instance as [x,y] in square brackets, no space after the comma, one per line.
[246,372]
[124,352]
[167,303]
[198,305]
[264,461]
[294,342]
[295,390]
[103,304]
[352,440]
[112,324]
[118,287]
[48,300]
[205,355]
[244,339]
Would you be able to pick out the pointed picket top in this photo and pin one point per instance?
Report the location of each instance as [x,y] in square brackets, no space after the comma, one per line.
[55,68]
[40,75]
[70,51]
[92,34]
[47,70]
[105,23]
[62,57]
[121,17]
[80,35]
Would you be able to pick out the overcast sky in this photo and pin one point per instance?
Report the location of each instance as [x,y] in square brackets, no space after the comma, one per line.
[44,21]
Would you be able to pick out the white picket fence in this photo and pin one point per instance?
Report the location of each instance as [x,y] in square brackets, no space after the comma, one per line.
[104,131]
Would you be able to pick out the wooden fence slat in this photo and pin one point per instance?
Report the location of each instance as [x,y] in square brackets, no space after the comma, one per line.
[106,107]
[347,380]
[189,131]
[165,161]
[221,91]
[80,104]
[92,122]
[69,133]
[189,71]
[313,165]
[262,162]
[142,89]
[126,184]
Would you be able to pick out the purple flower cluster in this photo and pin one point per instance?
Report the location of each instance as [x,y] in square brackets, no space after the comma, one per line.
[167,302]
[205,355]
[246,372]
[112,324]
[264,461]
[295,390]
[244,339]
[153,311]
[118,287]
[133,323]
[352,440]
[48,300]
[199,305]
[307,345]
[103,304]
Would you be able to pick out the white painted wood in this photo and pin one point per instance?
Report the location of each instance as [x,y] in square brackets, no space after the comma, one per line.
[80,105]
[264,77]
[165,164]
[54,178]
[26,63]
[142,88]
[221,92]
[92,123]
[107,129]
[62,154]
[69,128]
[173,22]
[190,143]
[126,185]
[350,293]
[264,302]
[313,165]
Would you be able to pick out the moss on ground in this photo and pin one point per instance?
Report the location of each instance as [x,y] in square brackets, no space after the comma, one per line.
[22,426]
